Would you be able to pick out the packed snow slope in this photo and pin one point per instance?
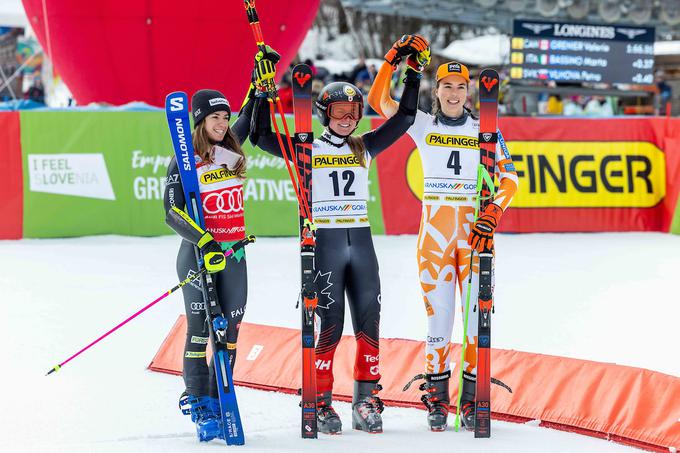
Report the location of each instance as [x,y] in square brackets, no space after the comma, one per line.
[601,297]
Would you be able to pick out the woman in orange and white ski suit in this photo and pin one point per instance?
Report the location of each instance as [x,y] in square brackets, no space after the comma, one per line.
[448,142]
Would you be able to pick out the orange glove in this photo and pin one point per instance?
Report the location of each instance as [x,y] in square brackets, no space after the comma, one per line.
[406,45]
[481,234]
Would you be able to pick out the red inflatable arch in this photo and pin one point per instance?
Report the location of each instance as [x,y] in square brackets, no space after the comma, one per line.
[119,51]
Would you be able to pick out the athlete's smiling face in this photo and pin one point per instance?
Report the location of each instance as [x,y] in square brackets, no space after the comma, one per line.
[343,127]
[216,125]
[452,93]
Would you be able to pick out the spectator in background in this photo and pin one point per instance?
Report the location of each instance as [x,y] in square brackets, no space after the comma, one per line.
[36,92]
[598,106]
[310,63]
[572,106]
[286,94]
[665,93]
[317,86]
[555,105]
[358,68]
[366,75]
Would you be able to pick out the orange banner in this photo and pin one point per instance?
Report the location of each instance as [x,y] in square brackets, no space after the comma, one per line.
[629,405]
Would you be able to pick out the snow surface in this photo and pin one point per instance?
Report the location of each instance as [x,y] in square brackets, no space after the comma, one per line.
[592,296]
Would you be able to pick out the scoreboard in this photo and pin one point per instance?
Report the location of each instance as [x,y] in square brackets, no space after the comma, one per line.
[570,52]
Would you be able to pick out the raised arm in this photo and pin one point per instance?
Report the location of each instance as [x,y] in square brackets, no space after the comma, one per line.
[263,69]
[241,126]
[418,50]
[391,130]
[379,97]
[261,134]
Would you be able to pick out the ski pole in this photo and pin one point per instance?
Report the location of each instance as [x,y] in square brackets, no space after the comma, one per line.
[274,105]
[236,247]
[482,176]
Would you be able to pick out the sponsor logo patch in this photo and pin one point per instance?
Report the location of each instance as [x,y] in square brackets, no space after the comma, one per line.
[220,174]
[199,340]
[326,161]
[459,141]
[218,101]
[589,174]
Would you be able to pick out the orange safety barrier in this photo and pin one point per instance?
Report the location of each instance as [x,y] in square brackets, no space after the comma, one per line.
[629,405]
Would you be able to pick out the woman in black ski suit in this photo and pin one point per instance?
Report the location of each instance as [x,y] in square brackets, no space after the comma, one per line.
[345,259]
[220,167]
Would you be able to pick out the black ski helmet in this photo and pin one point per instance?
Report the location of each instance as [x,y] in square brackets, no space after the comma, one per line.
[337,92]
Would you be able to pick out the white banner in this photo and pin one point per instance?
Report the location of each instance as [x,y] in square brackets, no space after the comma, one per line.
[79,175]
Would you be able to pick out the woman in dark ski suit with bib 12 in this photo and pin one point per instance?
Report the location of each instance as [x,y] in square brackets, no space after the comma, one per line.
[345,259]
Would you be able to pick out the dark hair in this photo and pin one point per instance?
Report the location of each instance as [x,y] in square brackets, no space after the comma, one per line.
[203,146]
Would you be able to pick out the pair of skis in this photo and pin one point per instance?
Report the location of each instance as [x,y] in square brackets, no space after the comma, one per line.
[488,137]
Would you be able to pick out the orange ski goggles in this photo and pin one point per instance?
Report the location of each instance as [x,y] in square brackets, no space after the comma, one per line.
[342,110]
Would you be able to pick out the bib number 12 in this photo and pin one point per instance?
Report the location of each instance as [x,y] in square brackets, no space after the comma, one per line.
[348,176]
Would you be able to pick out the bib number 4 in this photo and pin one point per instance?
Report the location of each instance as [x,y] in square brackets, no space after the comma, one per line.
[454,161]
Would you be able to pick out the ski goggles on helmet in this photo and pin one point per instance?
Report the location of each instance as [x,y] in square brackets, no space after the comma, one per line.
[342,110]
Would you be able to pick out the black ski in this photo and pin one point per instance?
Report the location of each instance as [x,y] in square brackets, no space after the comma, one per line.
[488,136]
[302,105]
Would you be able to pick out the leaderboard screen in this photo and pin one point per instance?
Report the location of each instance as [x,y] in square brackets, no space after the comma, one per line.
[570,52]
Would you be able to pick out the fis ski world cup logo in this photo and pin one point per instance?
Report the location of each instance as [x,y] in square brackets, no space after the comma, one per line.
[302,78]
[489,83]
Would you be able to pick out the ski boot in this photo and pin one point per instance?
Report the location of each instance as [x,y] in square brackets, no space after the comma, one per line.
[327,420]
[367,407]
[436,400]
[205,412]
[467,402]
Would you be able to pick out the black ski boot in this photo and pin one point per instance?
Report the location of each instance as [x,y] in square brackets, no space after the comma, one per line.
[467,402]
[327,420]
[367,407]
[436,400]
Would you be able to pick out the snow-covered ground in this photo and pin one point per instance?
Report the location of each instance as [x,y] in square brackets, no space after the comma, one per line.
[591,296]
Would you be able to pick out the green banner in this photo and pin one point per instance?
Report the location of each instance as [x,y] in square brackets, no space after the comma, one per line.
[94,173]
[89,173]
